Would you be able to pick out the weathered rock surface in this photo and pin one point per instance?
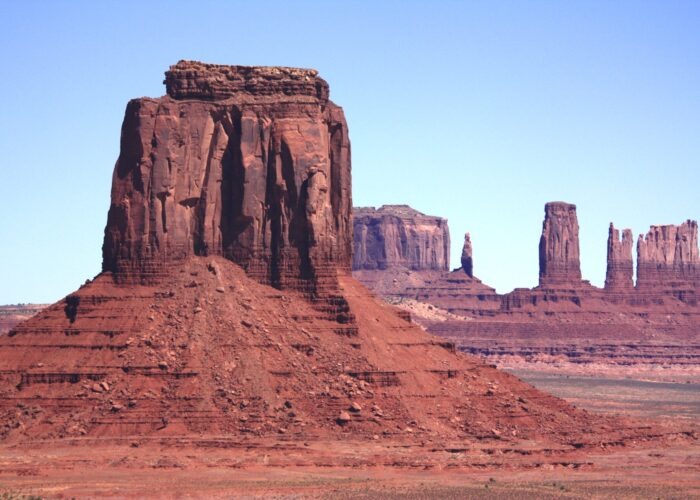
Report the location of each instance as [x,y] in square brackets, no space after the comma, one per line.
[467,259]
[399,236]
[667,258]
[620,269]
[251,163]
[196,80]
[559,246]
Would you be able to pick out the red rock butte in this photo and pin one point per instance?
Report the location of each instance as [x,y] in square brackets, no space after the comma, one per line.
[251,163]
[559,246]
[398,235]
[225,311]
[651,323]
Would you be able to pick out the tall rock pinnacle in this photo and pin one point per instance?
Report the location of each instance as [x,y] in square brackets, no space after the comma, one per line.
[620,269]
[251,163]
[467,260]
[559,247]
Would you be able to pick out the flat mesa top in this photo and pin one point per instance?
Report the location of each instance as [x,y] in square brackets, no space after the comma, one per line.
[559,206]
[400,211]
[197,80]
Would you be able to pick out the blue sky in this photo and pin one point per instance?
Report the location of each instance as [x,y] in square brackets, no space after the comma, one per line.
[476,111]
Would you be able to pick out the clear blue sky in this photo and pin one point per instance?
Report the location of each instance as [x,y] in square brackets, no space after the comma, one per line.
[476,111]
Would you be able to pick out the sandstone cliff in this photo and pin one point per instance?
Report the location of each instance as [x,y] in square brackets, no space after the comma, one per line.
[620,268]
[559,246]
[251,163]
[399,236]
[668,257]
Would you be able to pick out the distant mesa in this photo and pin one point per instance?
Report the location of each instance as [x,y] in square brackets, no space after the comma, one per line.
[399,236]
[400,252]
[655,321]
[668,261]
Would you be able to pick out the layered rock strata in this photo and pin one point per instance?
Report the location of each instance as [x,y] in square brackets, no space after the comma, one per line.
[619,274]
[399,236]
[12,315]
[251,163]
[559,245]
[213,358]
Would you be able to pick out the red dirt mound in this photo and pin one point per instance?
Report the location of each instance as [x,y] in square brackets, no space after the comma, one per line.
[212,352]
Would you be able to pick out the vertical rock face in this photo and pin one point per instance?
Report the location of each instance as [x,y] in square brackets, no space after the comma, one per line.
[251,163]
[559,247]
[668,256]
[467,260]
[620,269]
[399,236]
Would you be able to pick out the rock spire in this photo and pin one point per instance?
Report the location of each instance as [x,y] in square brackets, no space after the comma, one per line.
[620,268]
[559,245]
[467,259]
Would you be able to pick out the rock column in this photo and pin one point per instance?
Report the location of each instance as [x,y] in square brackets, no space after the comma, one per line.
[559,246]
[620,269]
[467,260]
